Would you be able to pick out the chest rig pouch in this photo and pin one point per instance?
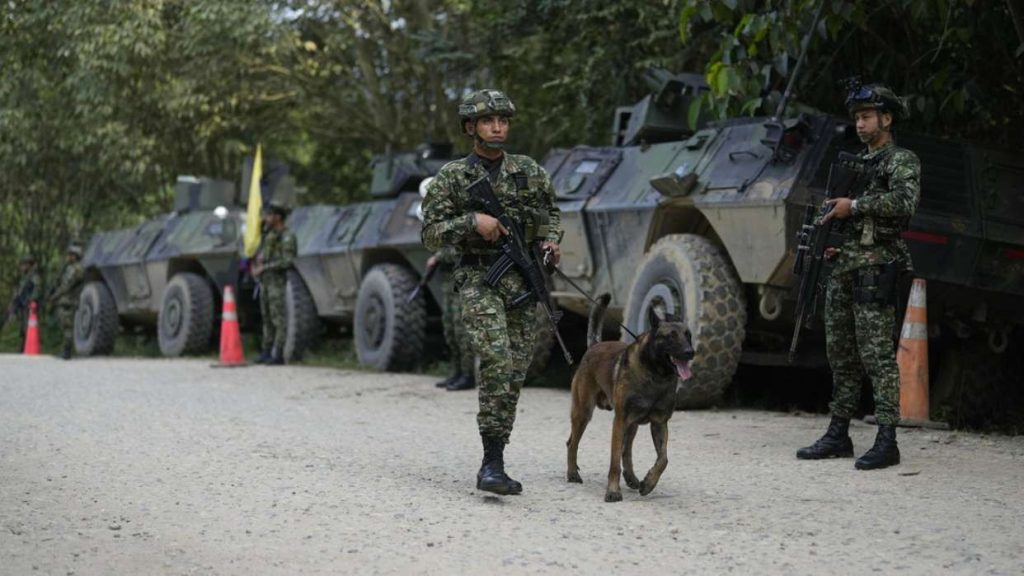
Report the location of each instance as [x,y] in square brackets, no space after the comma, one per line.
[876,284]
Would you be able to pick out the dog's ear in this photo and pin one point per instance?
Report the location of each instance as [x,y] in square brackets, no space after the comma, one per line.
[653,319]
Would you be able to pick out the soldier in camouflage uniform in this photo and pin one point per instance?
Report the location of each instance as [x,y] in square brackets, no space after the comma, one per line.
[275,256]
[500,335]
[29,290]
[462,357]
[860,301]
[65,297]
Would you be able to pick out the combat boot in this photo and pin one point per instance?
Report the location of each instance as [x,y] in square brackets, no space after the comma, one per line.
[66,354]
[492,477]
[883,454]
[463,382]
[265,356]
[444,383]
[836,442]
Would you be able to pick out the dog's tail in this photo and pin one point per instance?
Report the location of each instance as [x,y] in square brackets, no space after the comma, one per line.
[596,325]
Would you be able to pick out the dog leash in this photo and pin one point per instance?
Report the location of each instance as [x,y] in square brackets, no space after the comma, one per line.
[587,296]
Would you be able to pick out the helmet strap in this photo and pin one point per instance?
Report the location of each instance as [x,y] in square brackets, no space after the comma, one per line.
[485,144]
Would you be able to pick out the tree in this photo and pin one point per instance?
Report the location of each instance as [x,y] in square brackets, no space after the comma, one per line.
[954,61]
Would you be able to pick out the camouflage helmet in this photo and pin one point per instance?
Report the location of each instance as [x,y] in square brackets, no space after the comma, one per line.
[277,207]
[75,249]
[28,259]
[876,97]
[485,103]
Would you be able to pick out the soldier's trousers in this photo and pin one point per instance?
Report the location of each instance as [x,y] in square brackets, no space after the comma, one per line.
[455,330]
[502,337]
[859,343]
[21,317]
[272,307]
[66,316]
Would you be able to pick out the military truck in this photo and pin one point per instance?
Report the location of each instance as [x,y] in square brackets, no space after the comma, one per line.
[355,265]
[703,222]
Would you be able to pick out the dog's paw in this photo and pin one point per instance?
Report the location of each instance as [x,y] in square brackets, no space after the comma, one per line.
[631,480]
[574,477]
[646,488]
[613,496]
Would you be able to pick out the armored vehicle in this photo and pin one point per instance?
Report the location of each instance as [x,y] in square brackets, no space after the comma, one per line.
[704,222]
[170,271]
[355,265]
[359,263]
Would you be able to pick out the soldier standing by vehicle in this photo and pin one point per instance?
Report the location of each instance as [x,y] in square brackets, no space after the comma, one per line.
[28,291]
[65,296]
[462,356]
[500,334]
[862,289]
[273,261]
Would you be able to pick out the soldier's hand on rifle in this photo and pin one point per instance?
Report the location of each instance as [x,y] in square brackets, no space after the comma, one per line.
[831,253]
[257,268]
[432,261]
[489,227]
[552,253]
[840,208]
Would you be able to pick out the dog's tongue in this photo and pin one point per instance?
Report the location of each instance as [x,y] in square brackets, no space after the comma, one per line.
[683,370]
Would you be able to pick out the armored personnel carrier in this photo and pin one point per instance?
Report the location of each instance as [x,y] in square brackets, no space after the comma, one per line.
[703,223]
[170,272]
[356,265]
[359,263]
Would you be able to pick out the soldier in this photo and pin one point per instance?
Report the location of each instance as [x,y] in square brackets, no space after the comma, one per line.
[862,289]
[29,290]
[499,334]
[462,357]
[65,296]
[275,256]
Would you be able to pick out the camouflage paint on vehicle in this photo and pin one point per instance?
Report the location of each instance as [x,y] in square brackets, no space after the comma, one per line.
[662,182]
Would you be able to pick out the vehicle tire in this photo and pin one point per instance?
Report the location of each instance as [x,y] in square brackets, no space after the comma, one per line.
[185,322]
[96,322]
[389,332]
[689,276]
[303,324]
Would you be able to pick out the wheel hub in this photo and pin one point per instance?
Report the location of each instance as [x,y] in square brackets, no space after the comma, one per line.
[85,319]
[375,323]
[662,298]
[172,317]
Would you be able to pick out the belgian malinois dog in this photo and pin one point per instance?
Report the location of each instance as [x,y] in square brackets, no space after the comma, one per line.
[638,382]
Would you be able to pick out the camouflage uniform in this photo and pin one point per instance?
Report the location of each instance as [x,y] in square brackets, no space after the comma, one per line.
[859,335]
[277,252]
[29,290]
[500,335]
[454,329]
[69,285]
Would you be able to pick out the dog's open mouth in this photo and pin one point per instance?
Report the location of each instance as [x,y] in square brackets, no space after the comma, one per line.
[683,369]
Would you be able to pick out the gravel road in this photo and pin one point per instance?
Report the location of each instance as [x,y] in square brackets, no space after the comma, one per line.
[172,467]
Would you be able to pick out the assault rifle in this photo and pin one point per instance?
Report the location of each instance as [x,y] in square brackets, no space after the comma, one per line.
[846,179]
[431,270]
[515,253]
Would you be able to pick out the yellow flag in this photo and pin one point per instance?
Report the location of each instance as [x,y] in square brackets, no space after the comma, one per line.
[254,216]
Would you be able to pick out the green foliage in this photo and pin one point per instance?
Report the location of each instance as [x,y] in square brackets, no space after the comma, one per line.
[955,61]
[103,104]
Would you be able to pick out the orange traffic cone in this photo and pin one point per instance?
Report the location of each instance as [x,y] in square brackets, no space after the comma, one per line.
[912,357]
[32,334]
[230,338]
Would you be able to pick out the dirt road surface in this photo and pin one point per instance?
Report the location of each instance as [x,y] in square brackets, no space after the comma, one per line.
[173,467]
